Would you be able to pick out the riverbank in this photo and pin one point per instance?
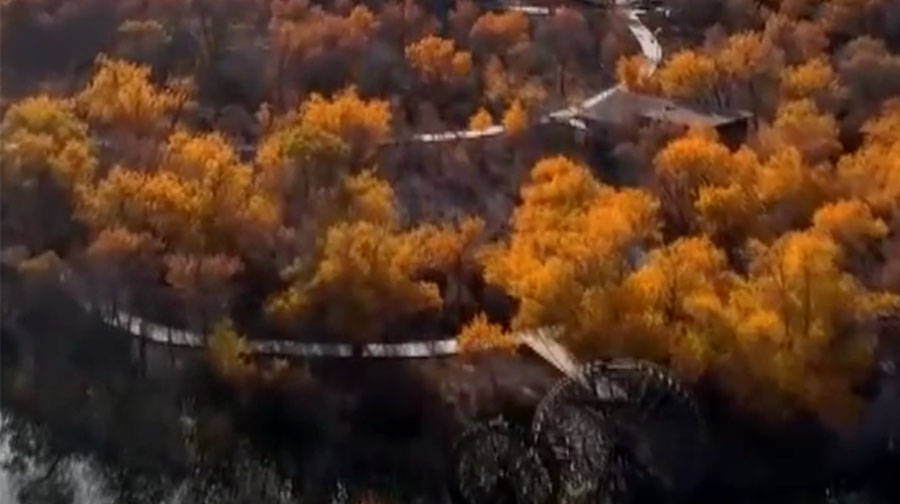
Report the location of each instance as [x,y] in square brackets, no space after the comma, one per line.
[382,425]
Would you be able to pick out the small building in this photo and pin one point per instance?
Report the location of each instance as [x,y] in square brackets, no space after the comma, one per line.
[623,108]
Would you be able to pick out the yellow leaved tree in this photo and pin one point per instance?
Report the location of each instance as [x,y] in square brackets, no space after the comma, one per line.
[366,198]
[814,79]
[447,253]
[302,167]
[749,66]
[229,354]
[121,94]
[480,334]
[633,72]
[437,60]
[497,32]
[160,204]
[481,120]
[360,285]
[46,155]
[791,334]
[573,241]
[850,223]
[676,307]
[872,173]
[734,195]
[732,210]
[801,125]
[802,332]
[203,206]
[690,75]
[515,119]
[685,166]
[362,124]
[368,271]
[199,198]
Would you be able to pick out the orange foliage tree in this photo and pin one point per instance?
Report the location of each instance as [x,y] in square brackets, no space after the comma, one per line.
[690,75]
[229,354]
[504,86]
[121,94]
[437,60]
[683,167]
[361,123]
[361,284]
[46,154]
[367,273]
[310,44]
[442,69]
[850,222]
[498,32]
[448,252]
[814,79]
[801,125]
[750,65]
[515,119]
[302,167]
[480,334]
[633,72]
[673,306]
[872,173]
[204,206]
[481,120]
[387,256]
[732,208]
[801,329]
[792,333]
[732,195]
[200,198]
[570,246]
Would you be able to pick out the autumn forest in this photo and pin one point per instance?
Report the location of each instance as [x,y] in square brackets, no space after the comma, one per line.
[275,170]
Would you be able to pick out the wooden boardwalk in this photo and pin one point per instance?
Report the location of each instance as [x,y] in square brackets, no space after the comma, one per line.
[650,48]
[541,340]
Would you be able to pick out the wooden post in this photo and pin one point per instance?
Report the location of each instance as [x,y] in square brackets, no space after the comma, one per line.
[142,350]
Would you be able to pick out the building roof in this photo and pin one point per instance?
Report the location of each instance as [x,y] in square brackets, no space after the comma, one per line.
[623,106]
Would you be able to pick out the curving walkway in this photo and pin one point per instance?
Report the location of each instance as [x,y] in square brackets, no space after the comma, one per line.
[541,340]
[165,335]
[649,47]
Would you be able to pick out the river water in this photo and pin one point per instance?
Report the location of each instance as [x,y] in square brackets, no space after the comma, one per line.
[86,484]
[7,490]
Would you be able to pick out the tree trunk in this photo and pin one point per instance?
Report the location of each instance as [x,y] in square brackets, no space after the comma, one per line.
[279,80]
[492,374]
[562,80]
[142,352]
[170,348]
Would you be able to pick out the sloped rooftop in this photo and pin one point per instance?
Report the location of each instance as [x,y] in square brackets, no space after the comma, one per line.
[622,106]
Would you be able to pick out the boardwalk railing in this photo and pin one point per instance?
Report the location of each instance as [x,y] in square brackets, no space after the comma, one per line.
[541,340]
